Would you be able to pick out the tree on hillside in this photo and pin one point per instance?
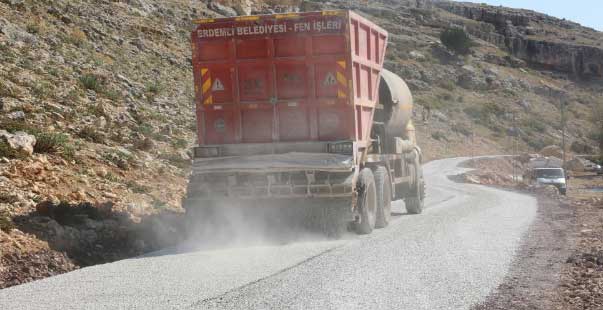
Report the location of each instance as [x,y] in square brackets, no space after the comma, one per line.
[457,40]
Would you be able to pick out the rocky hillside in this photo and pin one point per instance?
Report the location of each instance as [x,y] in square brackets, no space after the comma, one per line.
[95,112]
[96,107]
[525,70]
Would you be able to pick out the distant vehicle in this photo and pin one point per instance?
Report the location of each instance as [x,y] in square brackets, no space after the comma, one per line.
[599,170]
[590,166]
[550,176]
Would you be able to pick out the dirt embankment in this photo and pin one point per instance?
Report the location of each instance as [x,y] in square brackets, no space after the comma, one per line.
[58,238]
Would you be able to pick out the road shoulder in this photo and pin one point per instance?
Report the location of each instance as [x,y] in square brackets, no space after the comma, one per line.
[534,279]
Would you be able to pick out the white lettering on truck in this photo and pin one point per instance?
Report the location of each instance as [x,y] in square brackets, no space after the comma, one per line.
[317,26]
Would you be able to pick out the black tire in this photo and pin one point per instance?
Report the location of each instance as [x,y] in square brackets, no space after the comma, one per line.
[415,203]
[367,202]
[415,200]
[384,197]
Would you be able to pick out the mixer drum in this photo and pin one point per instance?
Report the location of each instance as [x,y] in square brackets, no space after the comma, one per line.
[396,111]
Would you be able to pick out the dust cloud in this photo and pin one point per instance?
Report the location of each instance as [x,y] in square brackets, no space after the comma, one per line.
[228,225]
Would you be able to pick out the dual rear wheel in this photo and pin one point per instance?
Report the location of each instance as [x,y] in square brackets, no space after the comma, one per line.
[374,200]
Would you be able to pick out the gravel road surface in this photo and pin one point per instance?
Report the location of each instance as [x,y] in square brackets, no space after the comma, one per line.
[450,257]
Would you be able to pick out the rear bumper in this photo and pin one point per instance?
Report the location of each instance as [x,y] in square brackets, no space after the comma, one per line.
[271,184]
[289,175]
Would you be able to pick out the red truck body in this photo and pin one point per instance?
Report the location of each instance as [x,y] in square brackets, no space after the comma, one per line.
[287,78]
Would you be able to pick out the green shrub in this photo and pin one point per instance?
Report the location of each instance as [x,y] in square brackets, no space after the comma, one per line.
[9,152]
[462,129]
[76,37]
[13,126]
[473,112]
[145,129]
[145,144]
[112,177]
[457,40]
[49,142]
[153,88]
[533,125]
[483,112]
[91,82]
[179,143]
[446,96]
[159,204]
[8,91]
[42,89]
[447,85]
[438,135]
[90,134]
[176,160]
[138,188]
[97,110]
[67,151]
[6,223]
[112,94]
[119,159]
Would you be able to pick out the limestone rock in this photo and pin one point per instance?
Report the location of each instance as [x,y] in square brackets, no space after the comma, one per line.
[222,9]
[17,115]
[19,141]
[416,55]
[512,30]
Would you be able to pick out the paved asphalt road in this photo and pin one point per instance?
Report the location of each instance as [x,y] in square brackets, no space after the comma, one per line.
[449,257]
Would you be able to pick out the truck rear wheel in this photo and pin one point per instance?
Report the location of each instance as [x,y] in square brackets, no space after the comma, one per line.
[416,202]
[367,202]
[384,197]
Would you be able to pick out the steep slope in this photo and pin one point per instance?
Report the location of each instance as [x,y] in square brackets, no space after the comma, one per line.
[96,124]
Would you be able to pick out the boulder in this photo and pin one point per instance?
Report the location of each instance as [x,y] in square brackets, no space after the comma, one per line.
[417,56]
[19,141]
[222,9]
[552,150]
[17,115]
[243,7]
[577,164]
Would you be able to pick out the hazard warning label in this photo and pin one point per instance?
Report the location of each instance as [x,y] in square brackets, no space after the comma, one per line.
[329,80]
[218,85]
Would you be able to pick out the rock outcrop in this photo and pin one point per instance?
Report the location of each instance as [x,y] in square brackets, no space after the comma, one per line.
[521,32]
[19,141]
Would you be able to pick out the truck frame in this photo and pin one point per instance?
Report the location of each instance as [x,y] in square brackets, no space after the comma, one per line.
[296,109]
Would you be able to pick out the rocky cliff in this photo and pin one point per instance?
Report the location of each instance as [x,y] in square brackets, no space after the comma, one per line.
[539,39]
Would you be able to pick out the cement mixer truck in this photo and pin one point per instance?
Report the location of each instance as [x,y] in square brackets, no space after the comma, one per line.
[295,112]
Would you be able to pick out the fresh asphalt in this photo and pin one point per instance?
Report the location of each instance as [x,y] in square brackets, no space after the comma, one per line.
[450,257]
